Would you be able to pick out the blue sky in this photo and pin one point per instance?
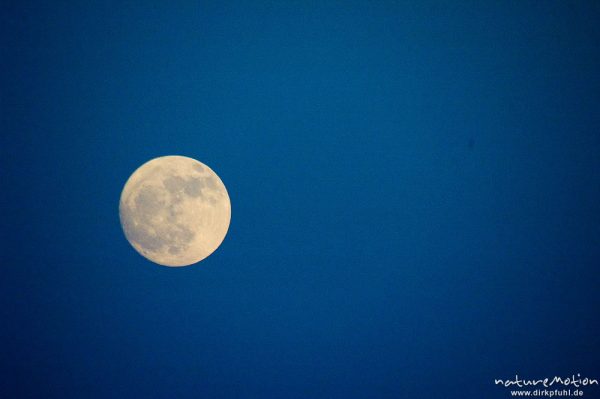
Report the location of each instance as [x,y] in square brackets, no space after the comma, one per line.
[414,185]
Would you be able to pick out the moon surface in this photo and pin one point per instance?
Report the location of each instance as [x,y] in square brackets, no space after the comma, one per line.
[174,210]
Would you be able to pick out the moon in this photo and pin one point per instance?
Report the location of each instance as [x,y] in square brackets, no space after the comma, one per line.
[174,210]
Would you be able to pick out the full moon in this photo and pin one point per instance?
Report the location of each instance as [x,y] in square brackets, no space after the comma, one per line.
[174,210]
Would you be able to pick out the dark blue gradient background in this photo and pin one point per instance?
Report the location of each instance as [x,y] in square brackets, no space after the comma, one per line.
[415,191]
